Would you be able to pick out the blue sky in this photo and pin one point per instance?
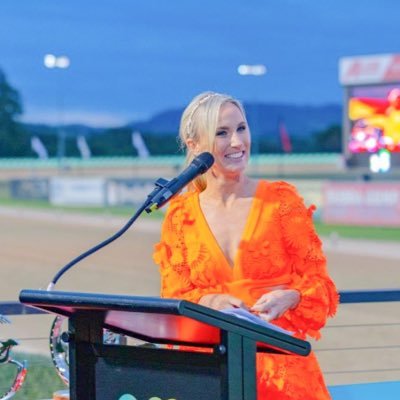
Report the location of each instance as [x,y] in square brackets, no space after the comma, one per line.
[131,59]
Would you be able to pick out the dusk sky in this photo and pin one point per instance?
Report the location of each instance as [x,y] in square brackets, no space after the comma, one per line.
[131,59]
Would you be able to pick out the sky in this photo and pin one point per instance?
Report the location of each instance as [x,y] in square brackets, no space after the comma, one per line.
[132,59]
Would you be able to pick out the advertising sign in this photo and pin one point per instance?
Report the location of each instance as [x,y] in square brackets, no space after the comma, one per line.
[361,203]
[71,191]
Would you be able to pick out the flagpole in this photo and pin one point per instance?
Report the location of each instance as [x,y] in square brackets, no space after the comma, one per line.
[51,61]
[286,145]
[255,70]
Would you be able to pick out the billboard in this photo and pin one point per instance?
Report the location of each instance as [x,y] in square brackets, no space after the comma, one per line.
[359,203]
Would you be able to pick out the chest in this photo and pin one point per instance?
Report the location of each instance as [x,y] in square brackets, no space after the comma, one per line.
[228,225]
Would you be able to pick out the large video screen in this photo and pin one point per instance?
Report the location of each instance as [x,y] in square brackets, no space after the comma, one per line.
[374,113]
[374,124]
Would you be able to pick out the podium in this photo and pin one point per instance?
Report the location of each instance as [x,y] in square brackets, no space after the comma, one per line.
[220,362]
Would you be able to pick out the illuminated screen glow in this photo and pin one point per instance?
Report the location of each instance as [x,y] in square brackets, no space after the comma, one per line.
[374,114]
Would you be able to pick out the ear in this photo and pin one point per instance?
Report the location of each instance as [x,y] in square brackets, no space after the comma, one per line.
[193,146]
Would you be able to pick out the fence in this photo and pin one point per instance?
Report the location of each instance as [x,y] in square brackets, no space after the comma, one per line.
[349,353]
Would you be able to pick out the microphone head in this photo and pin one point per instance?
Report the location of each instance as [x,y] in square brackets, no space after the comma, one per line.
[203,161]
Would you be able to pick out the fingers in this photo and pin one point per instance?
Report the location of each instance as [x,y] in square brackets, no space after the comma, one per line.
[237,303]
[221,301]
[262,303]
[266,317]
[274,304]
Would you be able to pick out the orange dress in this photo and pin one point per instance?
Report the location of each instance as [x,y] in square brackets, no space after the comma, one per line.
[279,246]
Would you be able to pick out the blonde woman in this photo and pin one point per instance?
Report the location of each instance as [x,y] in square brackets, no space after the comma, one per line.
[232,241]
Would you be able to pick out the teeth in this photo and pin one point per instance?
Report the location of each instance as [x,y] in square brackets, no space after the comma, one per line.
[235,155]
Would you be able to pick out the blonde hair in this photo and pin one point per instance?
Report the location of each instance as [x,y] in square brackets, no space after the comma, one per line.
[199,123]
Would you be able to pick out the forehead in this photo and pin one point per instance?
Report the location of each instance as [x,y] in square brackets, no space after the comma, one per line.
[230,112]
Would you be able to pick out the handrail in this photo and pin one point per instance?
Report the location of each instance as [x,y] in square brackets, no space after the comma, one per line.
[369,296]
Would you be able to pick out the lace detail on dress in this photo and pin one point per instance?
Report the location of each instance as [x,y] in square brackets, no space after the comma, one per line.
[185,262]
[319,297]
[263,258]
[290,378]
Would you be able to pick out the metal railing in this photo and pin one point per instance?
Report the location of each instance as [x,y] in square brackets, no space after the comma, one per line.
[338,352]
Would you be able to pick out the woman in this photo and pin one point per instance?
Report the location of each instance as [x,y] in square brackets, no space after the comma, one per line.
[231,241]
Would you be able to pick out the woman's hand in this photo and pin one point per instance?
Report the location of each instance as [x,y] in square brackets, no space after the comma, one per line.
[221,301]
[273,305]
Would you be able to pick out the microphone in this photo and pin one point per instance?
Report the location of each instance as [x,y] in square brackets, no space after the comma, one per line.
[166,189]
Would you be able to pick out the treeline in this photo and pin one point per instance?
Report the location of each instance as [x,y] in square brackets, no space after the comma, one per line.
[118,142]
[15,137]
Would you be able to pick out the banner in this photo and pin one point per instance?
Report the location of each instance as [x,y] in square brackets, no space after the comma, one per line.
[83,147]
[38,147]
[139,145]
[361,203]
[75,191]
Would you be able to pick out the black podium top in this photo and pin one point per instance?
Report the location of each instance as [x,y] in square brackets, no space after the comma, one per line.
[163,320]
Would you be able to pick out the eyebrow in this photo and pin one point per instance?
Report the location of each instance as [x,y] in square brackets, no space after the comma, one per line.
[227,127]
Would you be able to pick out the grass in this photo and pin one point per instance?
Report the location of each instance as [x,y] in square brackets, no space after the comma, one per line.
[346,231]
[359,232]
[123,211]
[40,382]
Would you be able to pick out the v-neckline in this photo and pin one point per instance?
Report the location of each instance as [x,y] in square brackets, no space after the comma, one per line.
[251,221]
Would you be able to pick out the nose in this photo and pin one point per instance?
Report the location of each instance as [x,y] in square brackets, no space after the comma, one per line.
[236,140]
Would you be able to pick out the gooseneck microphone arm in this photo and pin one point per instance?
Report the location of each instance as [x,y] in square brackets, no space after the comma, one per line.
[161,194]
[99,246]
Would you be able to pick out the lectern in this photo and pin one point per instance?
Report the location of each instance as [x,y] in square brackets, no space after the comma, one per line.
[219,362]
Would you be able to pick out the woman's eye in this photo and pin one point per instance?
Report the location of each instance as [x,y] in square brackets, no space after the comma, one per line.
[220,133]
[241,128]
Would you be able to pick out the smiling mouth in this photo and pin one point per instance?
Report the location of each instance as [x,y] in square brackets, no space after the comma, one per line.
[235,156]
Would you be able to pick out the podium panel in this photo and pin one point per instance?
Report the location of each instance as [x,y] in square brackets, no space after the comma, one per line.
[98,371]
[148,373]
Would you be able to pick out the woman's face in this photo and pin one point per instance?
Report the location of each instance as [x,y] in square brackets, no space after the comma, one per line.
[232,141]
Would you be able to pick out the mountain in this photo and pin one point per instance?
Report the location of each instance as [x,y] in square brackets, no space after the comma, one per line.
[71,130]
[263,119]
[300,121]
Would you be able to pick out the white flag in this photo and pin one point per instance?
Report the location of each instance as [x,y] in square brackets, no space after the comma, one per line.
[139,145]
[83,147]
[38,147]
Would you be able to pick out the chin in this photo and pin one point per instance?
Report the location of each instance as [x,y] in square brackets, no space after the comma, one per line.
[233,170]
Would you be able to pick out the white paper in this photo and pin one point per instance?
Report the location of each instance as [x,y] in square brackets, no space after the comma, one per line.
[248,316]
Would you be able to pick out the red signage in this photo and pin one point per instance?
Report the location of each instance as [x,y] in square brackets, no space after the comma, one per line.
[372,69]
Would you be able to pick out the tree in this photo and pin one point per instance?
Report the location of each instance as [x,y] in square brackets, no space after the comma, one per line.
[13,139]
[329,140]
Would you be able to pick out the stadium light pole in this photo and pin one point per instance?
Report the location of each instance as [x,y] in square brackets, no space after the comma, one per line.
[51,61]
[256,70]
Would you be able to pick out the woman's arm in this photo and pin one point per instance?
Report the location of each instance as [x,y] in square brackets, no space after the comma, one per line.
[318,295]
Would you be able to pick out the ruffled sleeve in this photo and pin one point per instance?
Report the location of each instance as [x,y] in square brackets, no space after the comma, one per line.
[319,297]
[184,262]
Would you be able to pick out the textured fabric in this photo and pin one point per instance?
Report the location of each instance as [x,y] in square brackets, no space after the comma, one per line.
[279,246]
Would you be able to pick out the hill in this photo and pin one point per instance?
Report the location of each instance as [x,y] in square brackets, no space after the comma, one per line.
[300,120]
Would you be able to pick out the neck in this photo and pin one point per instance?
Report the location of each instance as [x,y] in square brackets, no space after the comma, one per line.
[224,189]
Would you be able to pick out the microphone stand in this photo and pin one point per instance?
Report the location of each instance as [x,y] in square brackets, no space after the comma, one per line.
[147,205]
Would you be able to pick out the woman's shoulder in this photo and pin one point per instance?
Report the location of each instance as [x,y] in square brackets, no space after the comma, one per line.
[279,189]
[181,203]
[182,198]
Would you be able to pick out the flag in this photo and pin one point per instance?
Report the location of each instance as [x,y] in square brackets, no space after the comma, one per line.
[38,147]
[285,139]
[83,147]
[139,144]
